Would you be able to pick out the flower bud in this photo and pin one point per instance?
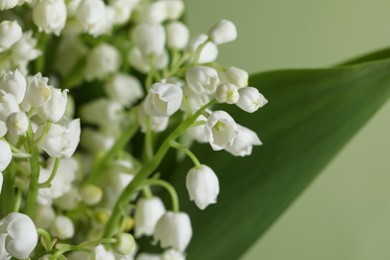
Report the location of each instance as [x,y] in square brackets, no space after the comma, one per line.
[14,83]
[8,105]
[69,200]
[243,143]
[17,123]
[174,8]
[174,230]
[143,63]
[164,99]
[152,13]
[10,33]
[103,60]
[96,141]
[124,89]
[123,10]
[202,186]
[235,76]
[157,123]
[44,216]
[62,227]
[101,112]
[50,15]
[251,99]
[91,194]
[147,212]
[224,31]
[91,15]
[149,38]
[20,235]
[209,52]
[125,244]
[177,35]
[54,109]
[38,91]
[172,254]
[227,93]
[202,80]
[24,51]
[220,130]
[8,4]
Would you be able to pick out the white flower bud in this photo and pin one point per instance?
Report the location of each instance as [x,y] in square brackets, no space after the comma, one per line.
[220,130]
[62,227]
[227,93]
[235,76]
[123,9]
[251,99]
[152,13]
[124,89]
[125,244]
[202,80]
[224,31]
[91,194]
[50,15]
[96,141]
[177,35]
[10,33]
[44,216]
[244,142]
[202,186]
[54,109]
[142,62]
[101,112]
[24,50]
[14,82]
[172,254]
[17,123]
[174,8]
[148,211]
[157,123]
[38,91]
[149,38]
[91,14]
[102,254]
[209,52]
[60,141]
[71,7]
[174,230]
[8,105]
[164,99]
[20,235]
[69,200]
[103,60]
[7,4]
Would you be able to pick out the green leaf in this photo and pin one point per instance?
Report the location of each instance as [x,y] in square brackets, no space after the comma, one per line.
[310,116]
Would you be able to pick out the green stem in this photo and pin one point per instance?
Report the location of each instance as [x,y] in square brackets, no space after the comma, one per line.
[148,139]
[47,237]
[120,144]
[8,192]
[47,183]
[166,185]
[199,51]
[44,132]
[187,151]
[146,170]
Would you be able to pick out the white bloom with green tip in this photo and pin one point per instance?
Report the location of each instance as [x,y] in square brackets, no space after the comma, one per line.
[244,142]
[223,32]
[251,99]
[202,79]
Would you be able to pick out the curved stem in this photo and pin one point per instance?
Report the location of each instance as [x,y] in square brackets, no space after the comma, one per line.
[166,185]
[187,151]
[47,183]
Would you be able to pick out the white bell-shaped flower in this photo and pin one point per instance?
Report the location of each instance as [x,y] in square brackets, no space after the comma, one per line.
[174,230]
[14,83]
[60,141]
[227,93]
[54,109]
[10,33]
[44,216]
[8,4]
[244,142]
[38,91]
[124,89]
[209,52]
[50,15]
[172,254]
[101,111]
[220,130]
[70,200]
[91,15]
[202,186]
[125,244]
[95,141]
[6,155]
[224,31]
[143,63]
[91,194]
[25,49]
[164,99]
[17,123]
[3,129]
[197,132]
[153,12]
[123,10]
[174,8]
[177,35]
[8,105]
[251,99]
[62,227]
[103,60]
[157,123]
[148,211]
[202,79]
[20,235]
[149,38]
[235,76]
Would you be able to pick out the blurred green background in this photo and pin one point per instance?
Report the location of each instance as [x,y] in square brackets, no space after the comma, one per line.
[345,213]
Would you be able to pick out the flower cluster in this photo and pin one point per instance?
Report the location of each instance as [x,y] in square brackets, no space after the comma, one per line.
[139,85]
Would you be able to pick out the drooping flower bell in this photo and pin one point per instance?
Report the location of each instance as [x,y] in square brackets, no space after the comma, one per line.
[220,130]
[147,213]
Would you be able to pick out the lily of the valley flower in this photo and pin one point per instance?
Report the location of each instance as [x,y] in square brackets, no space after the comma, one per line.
[7,4]
[17,123]
[224,31]
[54,109]
[235,76]
[172,254]
[209,53]
[14,83]
[10,33]
[147,214]
[125,244]
[3,129]
[6,155]
[124,89]
[50,15]
[164,99]
[244,142]
[227,93]
[174,230]
[20,235]
[177,35]
[202,79]
[203,186]
[62,227]
[149,38]
[91,15]
[251,99]
[102,111]
[220,130]
[8,105]
[157,123]
[143,63]
[38,91]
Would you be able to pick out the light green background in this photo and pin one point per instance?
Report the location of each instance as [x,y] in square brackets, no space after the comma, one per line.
[345,213]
